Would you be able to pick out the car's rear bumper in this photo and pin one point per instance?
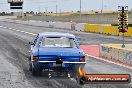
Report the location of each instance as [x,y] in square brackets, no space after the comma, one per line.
[66,62]
[53,65]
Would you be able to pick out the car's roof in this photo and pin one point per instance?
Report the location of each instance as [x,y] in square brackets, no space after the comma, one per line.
[56,34]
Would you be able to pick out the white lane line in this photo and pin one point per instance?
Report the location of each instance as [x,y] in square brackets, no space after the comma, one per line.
[9,28]
[17,30]
[22,31]
[26,32]
[32,34]
[14,29]
[5,27]
[109,61]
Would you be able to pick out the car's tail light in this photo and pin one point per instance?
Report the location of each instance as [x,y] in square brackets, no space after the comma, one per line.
[35,58]
[82,59]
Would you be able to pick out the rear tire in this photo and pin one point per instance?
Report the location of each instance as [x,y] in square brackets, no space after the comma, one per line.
[30,64]
[36,71]
[81,80]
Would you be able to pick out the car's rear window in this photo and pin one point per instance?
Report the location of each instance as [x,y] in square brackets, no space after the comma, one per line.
[58,42]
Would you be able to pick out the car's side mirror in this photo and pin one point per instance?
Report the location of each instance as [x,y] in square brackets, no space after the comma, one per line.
[79,42]
[31,43]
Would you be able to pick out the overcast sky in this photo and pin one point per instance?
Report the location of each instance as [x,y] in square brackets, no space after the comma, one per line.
[67,5]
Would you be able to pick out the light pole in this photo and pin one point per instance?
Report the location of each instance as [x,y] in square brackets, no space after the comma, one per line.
[46,11]
[39,9]
[102,6]
[56,9]
[80,8]
[60,12]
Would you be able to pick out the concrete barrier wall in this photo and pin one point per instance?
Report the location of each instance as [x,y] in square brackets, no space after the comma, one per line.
[94,28]
[103,29]
[62,25]
[59,25]
[114,53]
[106,29]
[80,27]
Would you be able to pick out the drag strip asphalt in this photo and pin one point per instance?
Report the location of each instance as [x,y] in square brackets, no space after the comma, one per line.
[14,49]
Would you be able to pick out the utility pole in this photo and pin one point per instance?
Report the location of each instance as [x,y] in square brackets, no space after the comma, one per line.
[60,12]
[46,11]
[102,6]
[56,9]
[80,9]
[39,9]
[131,10]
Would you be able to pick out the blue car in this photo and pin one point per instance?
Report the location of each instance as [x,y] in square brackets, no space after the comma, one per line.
[56,51]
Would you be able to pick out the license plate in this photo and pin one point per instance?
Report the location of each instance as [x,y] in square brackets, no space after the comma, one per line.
[58,65]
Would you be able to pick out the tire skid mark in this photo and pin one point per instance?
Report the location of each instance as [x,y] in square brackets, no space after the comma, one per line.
[18,58]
